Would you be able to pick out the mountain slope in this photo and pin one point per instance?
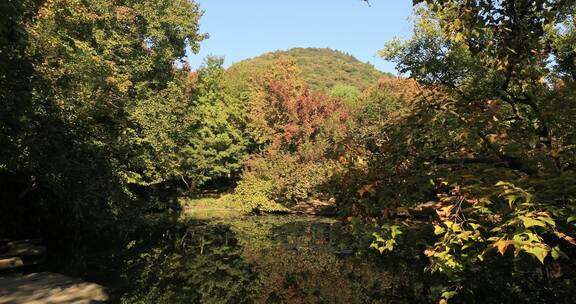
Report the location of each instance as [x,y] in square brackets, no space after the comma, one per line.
[322,68]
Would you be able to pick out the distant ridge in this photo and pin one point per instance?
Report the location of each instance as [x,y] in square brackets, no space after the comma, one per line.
[322,68]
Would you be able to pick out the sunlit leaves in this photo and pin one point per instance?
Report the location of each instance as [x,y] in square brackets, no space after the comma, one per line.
[520,229]
[512,194]
[102,97]
[530,222]
[285,112]
[500,112]
[386,240]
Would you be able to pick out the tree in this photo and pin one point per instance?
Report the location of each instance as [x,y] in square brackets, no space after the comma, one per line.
[493,124]
[284,112]
[294,130]
[85,76]
[214,143]
[347,93]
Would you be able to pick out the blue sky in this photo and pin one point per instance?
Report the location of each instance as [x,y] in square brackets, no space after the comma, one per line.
[247,28]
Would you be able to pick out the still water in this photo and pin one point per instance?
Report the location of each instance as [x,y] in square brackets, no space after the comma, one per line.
[252,259]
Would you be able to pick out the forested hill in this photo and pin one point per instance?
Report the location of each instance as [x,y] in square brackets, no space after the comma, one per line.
[322,68]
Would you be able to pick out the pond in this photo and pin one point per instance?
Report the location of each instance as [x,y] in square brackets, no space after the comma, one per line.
[246,259]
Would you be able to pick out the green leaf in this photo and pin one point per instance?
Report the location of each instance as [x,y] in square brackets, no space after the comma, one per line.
[511,199]
[439,230]
[449,294]
[496,229]
[548,220]
[378,237]
[395,231]
[557,253]
[540,252]
[474,226]
[531,222]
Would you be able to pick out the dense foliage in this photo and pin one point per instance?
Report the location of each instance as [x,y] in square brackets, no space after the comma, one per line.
[489,141]
[82,85]
[213,132]
[100,112]
[294,129]
[466,165]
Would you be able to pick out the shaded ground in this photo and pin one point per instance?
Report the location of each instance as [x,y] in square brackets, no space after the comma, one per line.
[41,288]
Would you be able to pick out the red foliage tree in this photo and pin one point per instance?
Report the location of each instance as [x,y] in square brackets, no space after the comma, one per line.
[286,113]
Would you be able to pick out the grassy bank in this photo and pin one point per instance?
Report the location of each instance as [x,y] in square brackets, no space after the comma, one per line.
[211,208]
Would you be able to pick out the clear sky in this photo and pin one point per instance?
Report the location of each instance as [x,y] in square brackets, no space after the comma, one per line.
[241,29]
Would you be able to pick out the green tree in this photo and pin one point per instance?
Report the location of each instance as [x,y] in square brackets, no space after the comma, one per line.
[347,93]
[215,145]
[80,79]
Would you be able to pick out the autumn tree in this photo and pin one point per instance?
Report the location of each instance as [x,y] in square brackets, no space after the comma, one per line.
[491,140]
[284,111]
[295,130]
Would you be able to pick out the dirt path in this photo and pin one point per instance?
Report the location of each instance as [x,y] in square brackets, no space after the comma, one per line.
[44,288]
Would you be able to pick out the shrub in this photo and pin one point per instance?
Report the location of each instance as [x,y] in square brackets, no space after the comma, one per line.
[281,179]
[255,193]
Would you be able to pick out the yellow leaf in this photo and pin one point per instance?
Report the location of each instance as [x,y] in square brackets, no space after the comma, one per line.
[438,230]
[465,235]
[540,252]
[530,222]
[502,245]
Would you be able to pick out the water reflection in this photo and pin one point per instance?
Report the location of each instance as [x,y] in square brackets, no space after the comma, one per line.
[260,259]
[199,263]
